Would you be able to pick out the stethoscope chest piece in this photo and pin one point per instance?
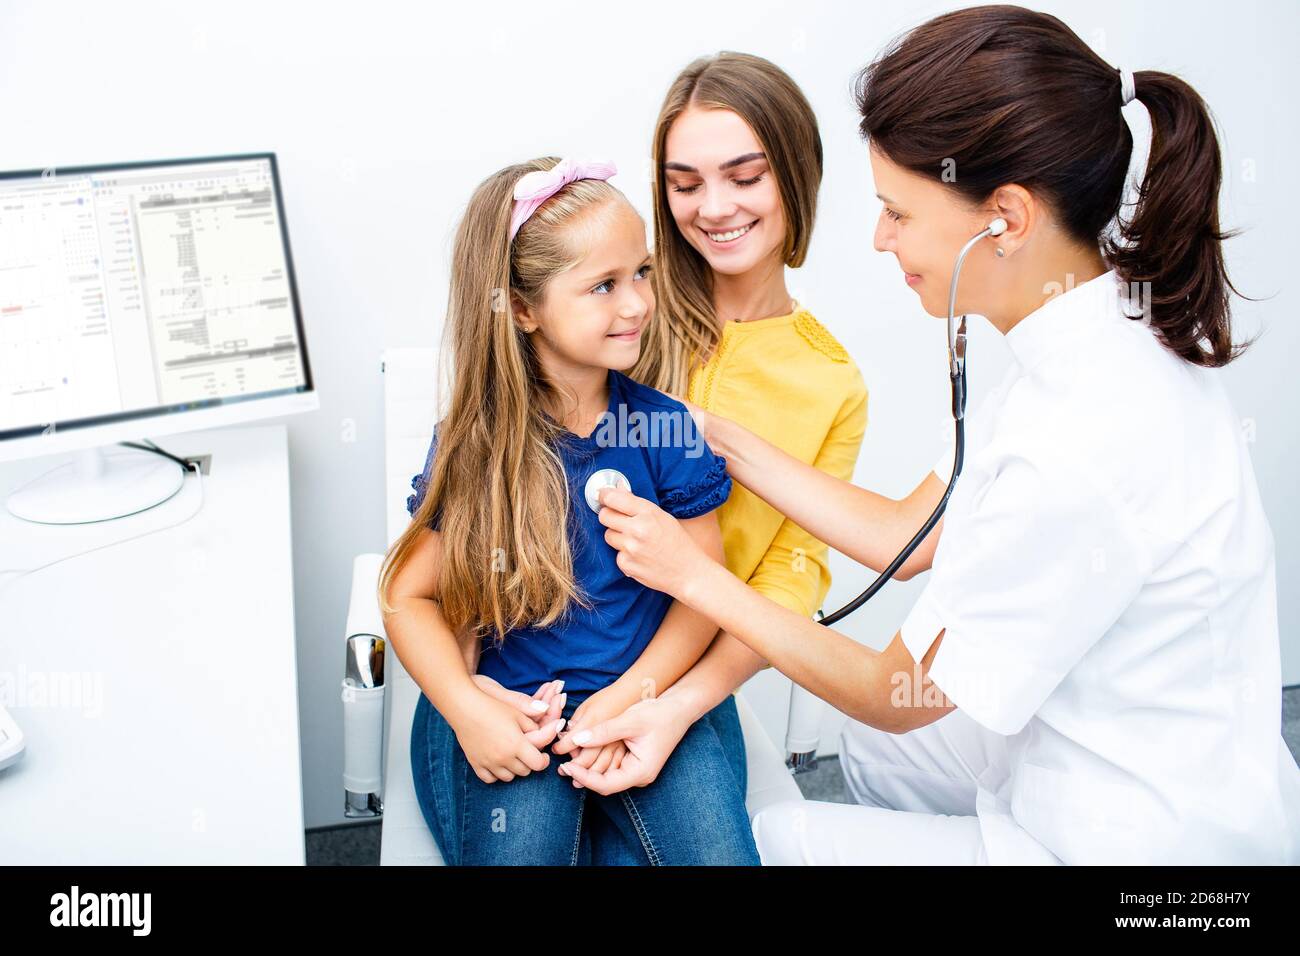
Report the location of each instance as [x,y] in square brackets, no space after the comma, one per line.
[605,478]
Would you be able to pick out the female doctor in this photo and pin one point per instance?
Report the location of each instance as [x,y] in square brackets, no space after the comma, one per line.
[1091,674]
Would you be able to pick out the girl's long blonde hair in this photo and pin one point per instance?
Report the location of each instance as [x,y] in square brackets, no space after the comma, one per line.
[497,480]
[686,328]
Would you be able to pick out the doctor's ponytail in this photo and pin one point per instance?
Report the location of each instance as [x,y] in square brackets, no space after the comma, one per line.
[1172,240]
[1002,94]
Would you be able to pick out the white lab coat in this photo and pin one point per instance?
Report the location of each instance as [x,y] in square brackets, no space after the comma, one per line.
[1106,581]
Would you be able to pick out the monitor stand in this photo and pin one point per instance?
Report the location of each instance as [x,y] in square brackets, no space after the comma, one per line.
[98,486]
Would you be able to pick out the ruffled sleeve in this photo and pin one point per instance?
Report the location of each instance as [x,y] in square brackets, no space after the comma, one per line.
[421,484]
[692,486]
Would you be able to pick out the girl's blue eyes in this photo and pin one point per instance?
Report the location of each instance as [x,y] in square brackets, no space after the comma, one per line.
[739,182]
[642,272]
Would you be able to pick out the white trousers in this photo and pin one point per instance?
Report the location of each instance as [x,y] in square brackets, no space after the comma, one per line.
[915,796]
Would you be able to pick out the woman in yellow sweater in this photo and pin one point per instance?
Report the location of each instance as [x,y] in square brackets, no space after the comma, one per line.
[738,164]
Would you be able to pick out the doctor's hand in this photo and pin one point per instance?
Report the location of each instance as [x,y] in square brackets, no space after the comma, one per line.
[652,545]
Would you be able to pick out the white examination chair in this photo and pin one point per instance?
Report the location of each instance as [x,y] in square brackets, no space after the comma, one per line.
[379,697]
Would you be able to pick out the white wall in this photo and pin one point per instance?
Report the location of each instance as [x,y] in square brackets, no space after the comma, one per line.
[385,116]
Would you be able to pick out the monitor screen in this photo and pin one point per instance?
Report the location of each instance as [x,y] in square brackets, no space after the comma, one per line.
[138,289]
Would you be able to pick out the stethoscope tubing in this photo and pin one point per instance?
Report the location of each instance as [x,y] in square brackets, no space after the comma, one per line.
[957,374]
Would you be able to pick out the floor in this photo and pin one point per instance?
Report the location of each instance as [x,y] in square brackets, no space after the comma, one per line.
[357,844]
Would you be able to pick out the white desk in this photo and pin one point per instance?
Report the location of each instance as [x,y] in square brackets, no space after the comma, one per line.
[169,728]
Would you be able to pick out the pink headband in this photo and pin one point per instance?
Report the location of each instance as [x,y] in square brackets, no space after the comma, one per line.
[536,187]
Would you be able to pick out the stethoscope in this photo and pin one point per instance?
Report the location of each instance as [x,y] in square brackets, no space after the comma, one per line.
[956,372]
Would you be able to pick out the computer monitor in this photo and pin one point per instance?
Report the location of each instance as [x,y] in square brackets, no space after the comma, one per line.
[138,300]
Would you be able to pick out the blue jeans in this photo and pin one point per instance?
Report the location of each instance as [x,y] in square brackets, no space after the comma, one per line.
[692,814]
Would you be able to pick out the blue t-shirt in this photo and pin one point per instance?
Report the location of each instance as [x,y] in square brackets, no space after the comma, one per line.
[652,439]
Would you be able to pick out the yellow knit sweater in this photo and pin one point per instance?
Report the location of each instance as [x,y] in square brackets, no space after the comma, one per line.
[788,380]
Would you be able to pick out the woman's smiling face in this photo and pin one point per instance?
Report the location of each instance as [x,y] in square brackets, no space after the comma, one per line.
[721,190]
[925,224]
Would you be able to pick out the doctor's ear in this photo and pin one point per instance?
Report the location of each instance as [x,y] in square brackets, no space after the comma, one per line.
[1021,211]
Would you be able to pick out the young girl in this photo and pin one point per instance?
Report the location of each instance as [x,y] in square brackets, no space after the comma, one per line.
[506,568]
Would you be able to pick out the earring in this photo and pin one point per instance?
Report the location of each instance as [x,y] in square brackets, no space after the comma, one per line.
[1000,252]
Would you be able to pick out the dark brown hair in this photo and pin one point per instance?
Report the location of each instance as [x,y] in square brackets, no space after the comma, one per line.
[1002,94]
